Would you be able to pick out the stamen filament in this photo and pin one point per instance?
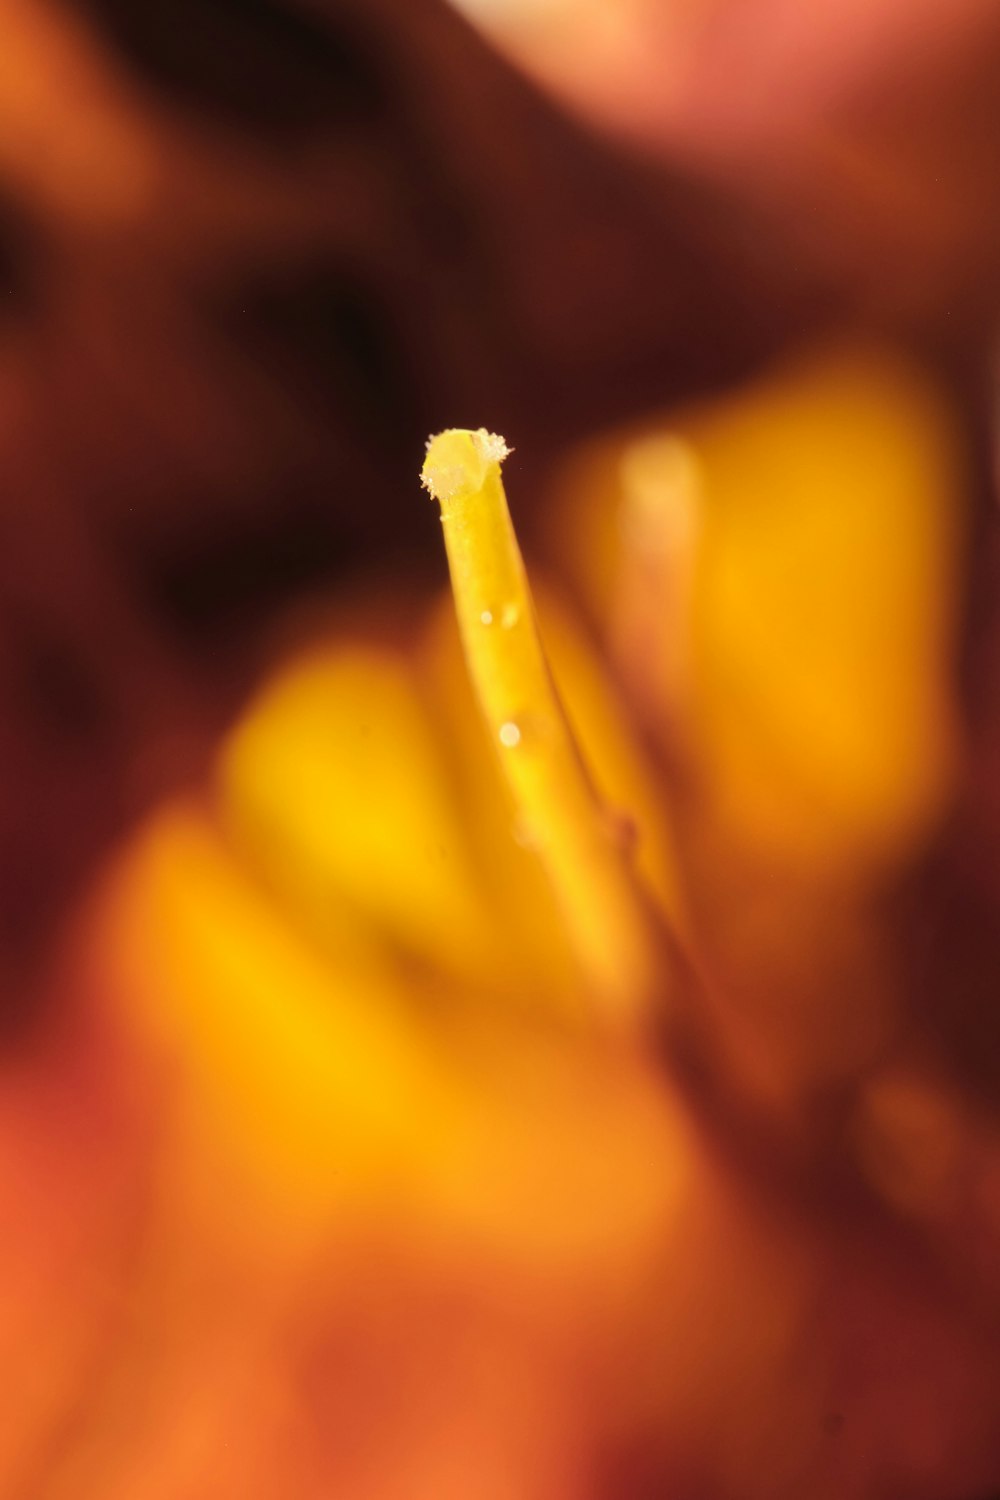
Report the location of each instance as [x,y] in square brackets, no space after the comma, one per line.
[577,841]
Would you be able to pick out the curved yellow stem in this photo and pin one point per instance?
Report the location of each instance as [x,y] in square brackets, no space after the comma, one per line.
[575,838]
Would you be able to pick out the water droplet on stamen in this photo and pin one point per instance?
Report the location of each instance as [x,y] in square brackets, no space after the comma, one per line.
[510,735]
[486,618]
[509,616]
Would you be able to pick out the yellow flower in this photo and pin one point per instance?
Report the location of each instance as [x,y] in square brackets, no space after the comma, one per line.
[527,1098]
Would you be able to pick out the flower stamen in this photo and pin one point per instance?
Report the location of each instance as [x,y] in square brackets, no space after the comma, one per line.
[587,862]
